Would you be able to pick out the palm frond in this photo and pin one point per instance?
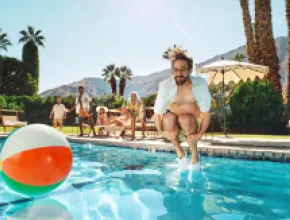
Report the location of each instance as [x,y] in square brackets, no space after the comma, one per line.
[111,67]
[5,41]
[117,72]
[23,40]
[39,42]
[3,47]
[3,36]
[105,70]
[31,31]
[41,37]
[38,32]
[123,68]
[6,44]
[129,72]
[24,33]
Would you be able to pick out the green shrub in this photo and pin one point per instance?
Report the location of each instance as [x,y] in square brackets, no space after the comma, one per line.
[256,107]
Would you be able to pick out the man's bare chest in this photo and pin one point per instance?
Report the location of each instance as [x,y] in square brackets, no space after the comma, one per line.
[184,95]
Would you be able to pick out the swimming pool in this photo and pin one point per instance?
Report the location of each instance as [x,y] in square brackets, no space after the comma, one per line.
[121,183]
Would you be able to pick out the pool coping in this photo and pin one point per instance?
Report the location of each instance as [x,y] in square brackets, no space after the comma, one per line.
[205,147]
[249,149]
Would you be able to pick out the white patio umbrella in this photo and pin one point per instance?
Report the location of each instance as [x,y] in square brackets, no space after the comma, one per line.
[229,70]
[225,71]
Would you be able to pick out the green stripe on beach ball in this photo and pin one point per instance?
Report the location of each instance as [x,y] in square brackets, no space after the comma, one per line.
[28,189]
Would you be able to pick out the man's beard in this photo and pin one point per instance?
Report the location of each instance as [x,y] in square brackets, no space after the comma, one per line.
[180,80]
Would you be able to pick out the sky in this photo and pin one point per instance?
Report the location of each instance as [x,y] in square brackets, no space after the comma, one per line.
[83,37]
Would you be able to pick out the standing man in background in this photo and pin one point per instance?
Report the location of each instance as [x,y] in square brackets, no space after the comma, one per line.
[84,110]
[58,112]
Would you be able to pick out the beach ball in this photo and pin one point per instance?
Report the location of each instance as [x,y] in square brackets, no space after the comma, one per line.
[35,159]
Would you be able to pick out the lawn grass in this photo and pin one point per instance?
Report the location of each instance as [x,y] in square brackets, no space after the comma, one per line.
[74,130]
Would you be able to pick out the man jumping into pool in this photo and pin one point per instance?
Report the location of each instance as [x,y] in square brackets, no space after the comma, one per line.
[188,100]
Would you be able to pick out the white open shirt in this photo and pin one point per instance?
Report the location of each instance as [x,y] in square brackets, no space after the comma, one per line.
[86,99]
[168,89]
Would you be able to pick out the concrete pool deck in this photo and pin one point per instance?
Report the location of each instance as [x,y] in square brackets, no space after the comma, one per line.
[252,149]
[239,148]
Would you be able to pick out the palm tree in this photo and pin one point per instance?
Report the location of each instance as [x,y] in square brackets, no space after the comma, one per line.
[288,24]
[125,74]
[239,57]
[110,74]
[252,48]
[4,43]
[266,41]
[32,40]
[261,45]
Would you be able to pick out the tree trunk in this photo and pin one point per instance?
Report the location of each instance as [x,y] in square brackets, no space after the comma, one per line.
[252,48]
[30,60]
[288,65]
[113,85]
[266,41]
[1,76]
[122,86]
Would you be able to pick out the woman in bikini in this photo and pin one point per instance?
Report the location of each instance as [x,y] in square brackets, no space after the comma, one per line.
[102,118]
[137,110]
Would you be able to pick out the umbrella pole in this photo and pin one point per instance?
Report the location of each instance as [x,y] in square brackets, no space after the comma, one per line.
[224,105]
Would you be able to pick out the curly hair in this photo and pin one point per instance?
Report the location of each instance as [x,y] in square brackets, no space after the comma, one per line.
[177,53]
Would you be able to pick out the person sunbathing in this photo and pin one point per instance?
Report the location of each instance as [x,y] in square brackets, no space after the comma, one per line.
[124,120]
[102,118]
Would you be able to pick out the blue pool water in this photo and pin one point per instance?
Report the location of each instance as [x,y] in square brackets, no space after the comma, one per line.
[102,185]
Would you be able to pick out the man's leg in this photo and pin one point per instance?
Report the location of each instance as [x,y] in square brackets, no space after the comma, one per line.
[54,123]
[188,123]
[81,121]
[170,124]
[92,125]
[60,125]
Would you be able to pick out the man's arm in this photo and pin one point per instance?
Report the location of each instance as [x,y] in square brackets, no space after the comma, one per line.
[160,107]
[205,120]
[80,101]
[204,105]
[51,113]
[64,112]
[158,122]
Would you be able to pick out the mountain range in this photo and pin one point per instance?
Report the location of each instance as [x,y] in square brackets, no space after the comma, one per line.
[148,84]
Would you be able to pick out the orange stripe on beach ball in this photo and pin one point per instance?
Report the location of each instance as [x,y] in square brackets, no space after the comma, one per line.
[40,166]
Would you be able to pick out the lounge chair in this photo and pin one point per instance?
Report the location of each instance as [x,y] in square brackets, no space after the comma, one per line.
[11,121]
[150,127]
